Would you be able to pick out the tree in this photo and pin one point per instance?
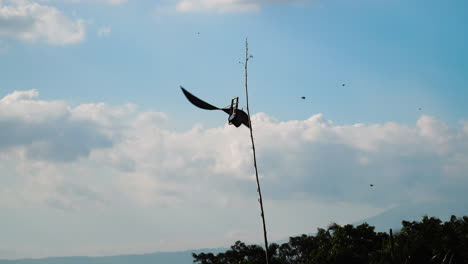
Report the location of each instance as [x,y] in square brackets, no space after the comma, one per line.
[427,241]
[239,253]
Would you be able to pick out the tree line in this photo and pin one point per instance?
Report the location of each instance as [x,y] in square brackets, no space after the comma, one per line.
[427,241]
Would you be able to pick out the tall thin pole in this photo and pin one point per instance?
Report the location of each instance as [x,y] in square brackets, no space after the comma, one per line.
[392,254]
[247,57]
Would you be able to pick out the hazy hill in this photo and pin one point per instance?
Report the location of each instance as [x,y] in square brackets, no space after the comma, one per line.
[181,257]
[414,212]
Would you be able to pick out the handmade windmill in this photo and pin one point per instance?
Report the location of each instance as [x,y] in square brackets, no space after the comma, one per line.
[236,117]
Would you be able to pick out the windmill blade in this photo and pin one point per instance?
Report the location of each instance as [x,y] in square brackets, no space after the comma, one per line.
[226,110]
[198,102]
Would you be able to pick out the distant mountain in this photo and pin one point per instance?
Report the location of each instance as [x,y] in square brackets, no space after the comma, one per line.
[414,212]
[181,257]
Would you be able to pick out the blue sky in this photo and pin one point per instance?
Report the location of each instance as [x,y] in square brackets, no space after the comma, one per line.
[92,115]
[394,57]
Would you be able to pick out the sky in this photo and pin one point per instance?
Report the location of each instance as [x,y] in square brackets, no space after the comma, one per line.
[101,154]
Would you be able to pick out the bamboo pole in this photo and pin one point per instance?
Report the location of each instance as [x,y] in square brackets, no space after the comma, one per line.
[247,57]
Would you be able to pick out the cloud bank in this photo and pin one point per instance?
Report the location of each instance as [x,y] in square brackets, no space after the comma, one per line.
[91,157]
[109,2]
[31,21]
[312,157]
[226,6]
[217,6]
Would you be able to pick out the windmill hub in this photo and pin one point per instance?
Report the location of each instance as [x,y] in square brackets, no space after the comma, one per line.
[233,118]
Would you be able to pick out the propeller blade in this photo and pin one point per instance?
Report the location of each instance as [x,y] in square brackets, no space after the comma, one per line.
[197,101]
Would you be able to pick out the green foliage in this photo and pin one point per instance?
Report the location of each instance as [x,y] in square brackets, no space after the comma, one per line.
[239,253]
[427,241]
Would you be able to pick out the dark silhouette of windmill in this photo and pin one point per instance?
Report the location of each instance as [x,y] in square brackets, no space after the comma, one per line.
[237,117]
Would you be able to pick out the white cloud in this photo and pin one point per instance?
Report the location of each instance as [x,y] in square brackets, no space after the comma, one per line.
[109,2]
[114,2]
[30,21]
[48,129]
[220,6]
[104,31]
[95,156]
[226,6]
[153,160]
[313,157]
